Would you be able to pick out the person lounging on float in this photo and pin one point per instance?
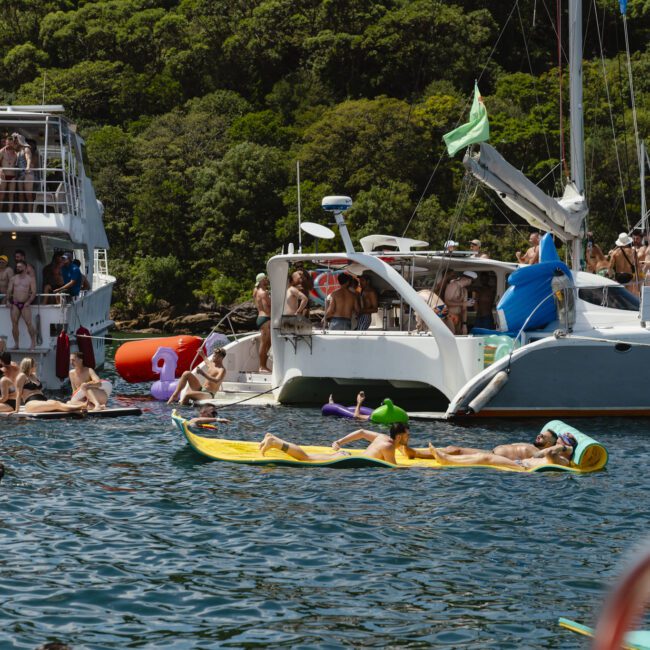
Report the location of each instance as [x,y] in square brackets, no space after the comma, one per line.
[559,454]
[381,446]
[513,451]
[213,377]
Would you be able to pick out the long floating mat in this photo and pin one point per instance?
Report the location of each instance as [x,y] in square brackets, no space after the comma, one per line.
[639,640]
[117,412]
[243,452]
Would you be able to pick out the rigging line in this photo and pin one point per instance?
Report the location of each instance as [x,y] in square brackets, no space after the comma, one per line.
[632,101]
[503,29]
[622,99]
[558,6]
[417,207]
[611,114]
[504,214]
[530,67]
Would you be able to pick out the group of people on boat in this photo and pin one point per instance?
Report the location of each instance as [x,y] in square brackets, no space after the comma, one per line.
[18,287]
[19,169]
[628,262]
[20,386]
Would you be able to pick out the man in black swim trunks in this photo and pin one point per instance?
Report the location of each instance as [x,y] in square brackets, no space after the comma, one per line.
[262,300]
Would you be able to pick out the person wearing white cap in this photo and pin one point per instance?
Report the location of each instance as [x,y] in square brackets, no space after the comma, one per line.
[475,247]
[450,246]
[624,265]
[457,301]
[262,300]
[531,256]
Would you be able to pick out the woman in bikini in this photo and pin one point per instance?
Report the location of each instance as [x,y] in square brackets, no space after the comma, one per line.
[29,391]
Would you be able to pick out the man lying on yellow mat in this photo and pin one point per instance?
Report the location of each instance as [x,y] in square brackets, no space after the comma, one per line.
[381,446]
[559,454]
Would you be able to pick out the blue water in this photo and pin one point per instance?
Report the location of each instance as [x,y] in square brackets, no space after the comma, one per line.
[115,534]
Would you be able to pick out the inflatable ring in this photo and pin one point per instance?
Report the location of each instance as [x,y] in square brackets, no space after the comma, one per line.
[343,411]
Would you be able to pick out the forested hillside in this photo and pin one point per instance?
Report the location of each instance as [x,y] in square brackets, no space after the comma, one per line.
[196,111]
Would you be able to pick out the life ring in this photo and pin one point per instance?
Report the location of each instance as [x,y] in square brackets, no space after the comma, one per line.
[325,283]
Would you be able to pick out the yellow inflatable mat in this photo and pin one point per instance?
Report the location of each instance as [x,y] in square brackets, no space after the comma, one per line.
[236,451]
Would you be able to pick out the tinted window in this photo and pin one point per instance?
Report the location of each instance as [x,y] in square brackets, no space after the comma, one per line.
[612,297]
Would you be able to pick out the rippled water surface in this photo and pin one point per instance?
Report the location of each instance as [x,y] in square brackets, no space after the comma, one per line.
[115,534]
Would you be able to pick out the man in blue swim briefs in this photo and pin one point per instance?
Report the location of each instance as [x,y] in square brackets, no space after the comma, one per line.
[262,299]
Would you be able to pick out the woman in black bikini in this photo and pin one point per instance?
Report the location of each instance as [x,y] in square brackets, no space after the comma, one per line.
[29,391]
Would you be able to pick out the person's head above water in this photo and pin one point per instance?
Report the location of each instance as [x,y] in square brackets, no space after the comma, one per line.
[208,411]
[399,433]
[545,439]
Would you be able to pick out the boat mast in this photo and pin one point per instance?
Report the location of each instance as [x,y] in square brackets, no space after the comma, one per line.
[577,122]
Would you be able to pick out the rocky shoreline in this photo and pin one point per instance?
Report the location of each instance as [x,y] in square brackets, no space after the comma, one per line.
[173,321]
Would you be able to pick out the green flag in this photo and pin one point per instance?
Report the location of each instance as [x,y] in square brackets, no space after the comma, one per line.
[476,130]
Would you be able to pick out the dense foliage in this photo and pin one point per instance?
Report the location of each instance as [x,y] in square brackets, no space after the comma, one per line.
[196,111]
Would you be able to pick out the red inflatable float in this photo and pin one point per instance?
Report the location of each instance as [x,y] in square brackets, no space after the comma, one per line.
[133,359]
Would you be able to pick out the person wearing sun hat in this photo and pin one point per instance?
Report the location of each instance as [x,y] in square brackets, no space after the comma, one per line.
[6,273]
[624,264]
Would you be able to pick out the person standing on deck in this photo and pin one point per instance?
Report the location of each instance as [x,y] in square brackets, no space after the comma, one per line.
[624,265]
[20,295]
[368,302]
[342,305]
[262,299]
[457,301]
[6,273]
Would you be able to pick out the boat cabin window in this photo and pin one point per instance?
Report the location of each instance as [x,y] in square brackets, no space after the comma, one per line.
[610,296]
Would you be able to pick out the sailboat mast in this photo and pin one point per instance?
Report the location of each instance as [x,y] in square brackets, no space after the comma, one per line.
[577,121]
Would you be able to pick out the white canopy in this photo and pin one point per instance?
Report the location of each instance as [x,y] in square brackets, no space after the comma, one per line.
[563,217]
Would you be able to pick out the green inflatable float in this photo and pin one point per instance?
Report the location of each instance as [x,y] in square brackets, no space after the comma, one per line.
[388,413]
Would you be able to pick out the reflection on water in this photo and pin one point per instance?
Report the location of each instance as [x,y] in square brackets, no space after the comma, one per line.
[115,534]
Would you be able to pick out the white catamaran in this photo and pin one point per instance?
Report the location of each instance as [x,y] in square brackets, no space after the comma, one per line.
[566,343]
[53,209]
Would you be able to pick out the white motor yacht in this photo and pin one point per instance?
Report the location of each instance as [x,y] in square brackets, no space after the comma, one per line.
[53,210]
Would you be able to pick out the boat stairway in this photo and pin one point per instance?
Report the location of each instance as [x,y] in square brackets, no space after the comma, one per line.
[248,382]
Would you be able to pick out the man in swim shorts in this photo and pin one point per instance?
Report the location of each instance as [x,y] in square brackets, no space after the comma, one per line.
[513,451]
[342,304]
[213,374]
[262,299]
[20,295]
[560,453]
[6,273]
[381,446]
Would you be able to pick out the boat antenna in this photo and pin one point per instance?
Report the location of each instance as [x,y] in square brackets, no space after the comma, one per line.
[337,205]
[299,214]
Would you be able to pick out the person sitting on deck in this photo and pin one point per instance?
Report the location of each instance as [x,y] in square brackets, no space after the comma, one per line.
[559,454]
[214,374]
[10,372]
[381,446]
[531,256]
